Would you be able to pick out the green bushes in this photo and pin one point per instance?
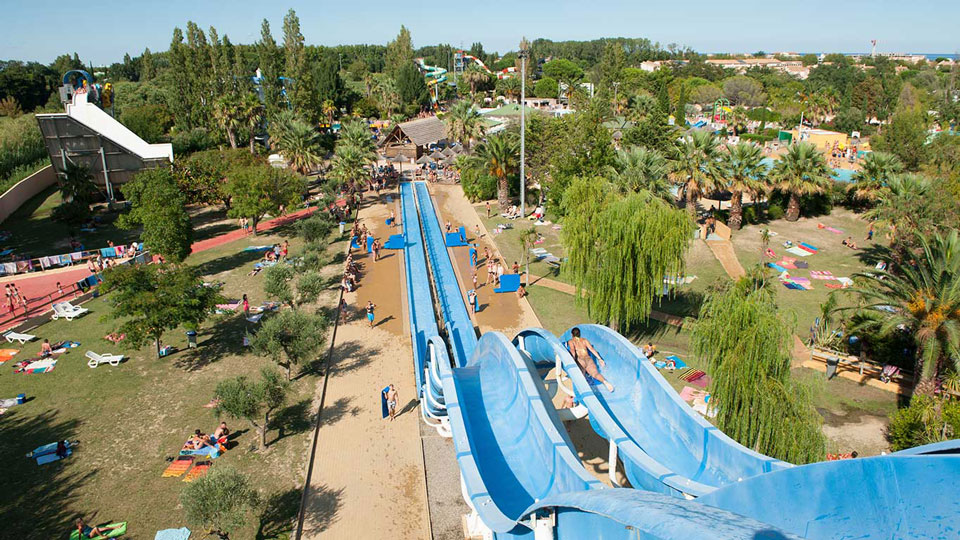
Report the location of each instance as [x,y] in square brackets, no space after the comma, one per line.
[775,211]
[20,145]
[477,185]
[927,420]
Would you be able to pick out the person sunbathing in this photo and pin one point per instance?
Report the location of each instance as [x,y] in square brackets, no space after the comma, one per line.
[45,349]
[221,431]
[87,531]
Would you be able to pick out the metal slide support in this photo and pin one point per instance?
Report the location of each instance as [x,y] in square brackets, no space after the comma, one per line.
[612,464]
[106,177]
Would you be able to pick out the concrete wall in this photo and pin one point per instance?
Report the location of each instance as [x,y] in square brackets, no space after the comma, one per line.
[24,190]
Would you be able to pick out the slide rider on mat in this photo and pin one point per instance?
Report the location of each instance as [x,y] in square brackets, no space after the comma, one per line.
[580,348]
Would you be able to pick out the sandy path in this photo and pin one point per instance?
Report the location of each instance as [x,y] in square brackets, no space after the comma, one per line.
[368,479]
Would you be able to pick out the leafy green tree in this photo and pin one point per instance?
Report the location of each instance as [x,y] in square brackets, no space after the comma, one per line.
[564,70]
[258,190]
[743,168]
[411,86]
[621,249]
[745,343]
[330,87]
[546,87]
[922,298]
[290,338]
[160,208]
[742,90]
[849,119]
[610,68]
[927,420]
[636,168]
[149,300]
[500,157]
[874,173]
[150,122]
[253,401]
[906,137]
[910,206]
[269,60]
[303,92]
[696,166]
[399,53]
[801,171]
[463,123]
[219,501]
[77,193]
[315,229]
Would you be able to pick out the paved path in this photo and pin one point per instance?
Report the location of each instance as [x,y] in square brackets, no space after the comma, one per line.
[41,287]
[368,479]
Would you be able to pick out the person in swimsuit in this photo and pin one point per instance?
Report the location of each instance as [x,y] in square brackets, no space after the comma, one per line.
[87,531]
[580,349]
[391,396]
[370,308]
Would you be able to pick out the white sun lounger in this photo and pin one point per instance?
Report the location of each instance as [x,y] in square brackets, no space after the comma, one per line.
[22,338]
[97,359]
[67,311]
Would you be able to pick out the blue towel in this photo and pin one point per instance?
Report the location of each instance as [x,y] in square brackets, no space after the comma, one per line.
[776,267]
[353,243]
[258,248]
[454,239]
[6,252]
[182,533]
[214,453]
[370,240]
[383,402]
[676,360]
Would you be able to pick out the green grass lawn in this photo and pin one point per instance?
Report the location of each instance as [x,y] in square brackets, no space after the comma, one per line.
[129,418]
[804,306]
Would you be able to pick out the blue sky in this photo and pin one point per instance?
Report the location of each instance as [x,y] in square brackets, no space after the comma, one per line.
[103,30]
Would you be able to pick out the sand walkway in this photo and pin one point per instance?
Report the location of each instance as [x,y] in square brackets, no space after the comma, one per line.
[368,479]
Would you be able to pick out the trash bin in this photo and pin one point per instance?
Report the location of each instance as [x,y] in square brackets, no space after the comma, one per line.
[832,362]
[21,398]
[342,223]
[191,339]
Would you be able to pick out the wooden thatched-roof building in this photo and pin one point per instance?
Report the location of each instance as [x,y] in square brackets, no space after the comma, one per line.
[412,139]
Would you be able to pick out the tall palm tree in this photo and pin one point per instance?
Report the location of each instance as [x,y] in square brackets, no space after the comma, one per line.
[696,166]
[388,96]
[641,106]
[329,108]
[875,172]
[499,156]
[252,113]
[228,113]
[357,134]
[924,299]
[802,171]
[903,205]
[474,78]
[742,166]
[464,123]
[300,144]
[639,168]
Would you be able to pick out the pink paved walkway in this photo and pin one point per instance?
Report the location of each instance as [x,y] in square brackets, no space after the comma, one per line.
[41,288]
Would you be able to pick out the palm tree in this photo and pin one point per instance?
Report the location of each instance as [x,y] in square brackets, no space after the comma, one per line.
[745,172]
[922,298]
[638,168]
[252,113]
[499,156]
[347,165]
[464,123]
[229,116]
[388,97]
[802,171]
[356,133]
[874,174]
[300,144]
[474,77]
[903,205]
[696,166]
[329,108]
[641,106]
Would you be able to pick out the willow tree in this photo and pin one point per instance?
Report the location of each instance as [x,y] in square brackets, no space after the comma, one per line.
[745,343]
[621,249]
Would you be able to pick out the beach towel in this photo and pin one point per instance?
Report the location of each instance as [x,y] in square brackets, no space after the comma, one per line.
[677,361]
[210,451]
[538,251]
[845,281]
[66,259]
[787,264]
[353,242]
[808,247]
[6,252]
[455,239]
[688,393]
[799,252]
[693,375]
[508,283]
[370,241]
[685,372]
[41,366]
[384,411]
[197,471]
[802,265]
[182,533]
[701,381]
[119,531]
[178,467]
[258,248]
[833,285]
[821,274]
[776,267]
[473,256]
[6,354]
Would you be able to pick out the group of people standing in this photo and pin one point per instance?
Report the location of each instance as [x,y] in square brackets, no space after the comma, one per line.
[15,298]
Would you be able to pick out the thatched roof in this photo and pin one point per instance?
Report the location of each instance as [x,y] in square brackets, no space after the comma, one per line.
[423,131]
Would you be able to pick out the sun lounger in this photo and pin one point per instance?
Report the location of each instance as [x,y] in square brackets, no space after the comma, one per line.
[97,359]
[67,311]
[22,338]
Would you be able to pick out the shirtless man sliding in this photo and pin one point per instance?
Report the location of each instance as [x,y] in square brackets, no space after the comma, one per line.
[580,349]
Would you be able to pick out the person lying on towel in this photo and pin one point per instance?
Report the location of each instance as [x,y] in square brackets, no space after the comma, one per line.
[198,441]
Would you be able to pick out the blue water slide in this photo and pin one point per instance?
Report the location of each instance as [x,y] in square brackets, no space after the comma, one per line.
[511,448]
[665,445]
[459,326]
[428,347]
[895,496]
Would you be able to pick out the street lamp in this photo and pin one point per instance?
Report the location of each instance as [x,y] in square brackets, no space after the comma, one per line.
[523,128]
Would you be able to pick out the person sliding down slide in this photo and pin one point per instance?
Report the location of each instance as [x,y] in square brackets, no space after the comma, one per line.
[580,349]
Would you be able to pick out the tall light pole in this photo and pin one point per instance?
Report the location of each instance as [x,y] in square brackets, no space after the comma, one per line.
[523,129]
